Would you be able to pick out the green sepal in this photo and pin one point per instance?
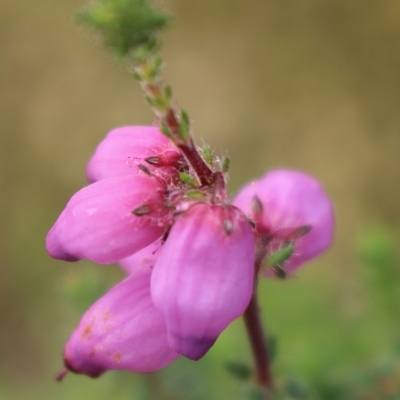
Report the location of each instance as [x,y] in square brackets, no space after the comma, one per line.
[195,194]
[280,256]
[207,155]
[226,162]
[187,179]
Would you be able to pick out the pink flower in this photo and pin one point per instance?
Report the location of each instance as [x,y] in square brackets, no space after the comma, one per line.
[110,220]
[189,253]
[289,207]
[122,330]
[124,149]
[124,210]
[145,258]
[203,276]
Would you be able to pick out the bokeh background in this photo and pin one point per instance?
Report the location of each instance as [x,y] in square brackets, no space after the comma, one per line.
[312,85]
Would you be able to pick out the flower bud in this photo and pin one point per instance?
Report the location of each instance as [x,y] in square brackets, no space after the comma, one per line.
[122,330]
[102,223]
[289,207]
[123,149]
[203,277]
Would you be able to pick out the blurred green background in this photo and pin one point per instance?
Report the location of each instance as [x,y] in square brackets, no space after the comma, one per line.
[311,85]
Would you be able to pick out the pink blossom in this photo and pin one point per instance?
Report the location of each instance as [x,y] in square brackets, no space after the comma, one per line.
[289,206]
[191,260]
[203,276]
[124,149]
[99,223]
[122,330]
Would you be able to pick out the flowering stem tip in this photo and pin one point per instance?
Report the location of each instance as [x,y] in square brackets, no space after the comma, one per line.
[159,207]
[129,27]
[191,254]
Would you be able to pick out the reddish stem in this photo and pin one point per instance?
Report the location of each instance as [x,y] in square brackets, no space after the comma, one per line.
[60,375]
[188,149]
[258,343]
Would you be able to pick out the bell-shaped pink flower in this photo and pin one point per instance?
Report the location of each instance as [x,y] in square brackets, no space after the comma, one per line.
[203,277]
[110,220]
[123,330]
[123,149]
[290,207]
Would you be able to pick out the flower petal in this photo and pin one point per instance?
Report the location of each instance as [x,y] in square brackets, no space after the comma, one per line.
[122,330]
[203,277]
[98,222]
[144,258]
[290,200]
[123,149]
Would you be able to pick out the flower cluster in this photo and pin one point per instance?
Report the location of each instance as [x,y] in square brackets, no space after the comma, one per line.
[192,255]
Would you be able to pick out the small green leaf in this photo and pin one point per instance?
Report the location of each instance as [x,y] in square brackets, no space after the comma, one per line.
[187,179]
[157,102]
[150,100]
[207,155]
[195,194]
[165,129]
[154,69]
[168,93]
[137,75]
[226,162]
[184,125]
[280,256]
[239,370]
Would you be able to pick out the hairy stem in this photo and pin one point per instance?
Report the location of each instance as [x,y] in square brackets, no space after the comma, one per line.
[189,150]
[149,74]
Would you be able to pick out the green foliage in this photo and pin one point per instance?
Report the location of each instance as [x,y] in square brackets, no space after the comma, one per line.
[377,251]
[296,390]
[272,342]
[129,27]
[239,370]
